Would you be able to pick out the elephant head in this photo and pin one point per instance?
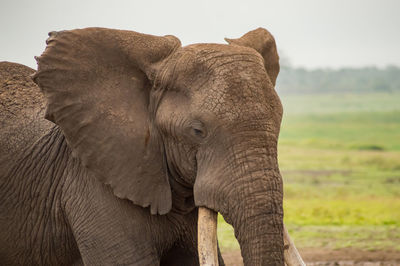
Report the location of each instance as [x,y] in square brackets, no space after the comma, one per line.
[171,127]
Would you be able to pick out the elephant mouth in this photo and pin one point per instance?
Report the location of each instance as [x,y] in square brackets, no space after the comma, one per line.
[207,241]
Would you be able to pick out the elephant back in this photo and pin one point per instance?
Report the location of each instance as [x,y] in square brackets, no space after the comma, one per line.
[22,110]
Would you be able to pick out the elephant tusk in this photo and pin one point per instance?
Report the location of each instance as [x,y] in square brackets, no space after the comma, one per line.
[207,237]
[291,254]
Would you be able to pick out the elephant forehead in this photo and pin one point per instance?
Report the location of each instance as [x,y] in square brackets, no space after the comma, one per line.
[233,105]
[236,85]
[228,81]
[214,58]
[217,56]
[215,61]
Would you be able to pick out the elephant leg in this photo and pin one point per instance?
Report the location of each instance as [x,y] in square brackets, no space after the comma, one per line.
[183,256]
[105,241]
[108,230]
[179,256]
[78,263]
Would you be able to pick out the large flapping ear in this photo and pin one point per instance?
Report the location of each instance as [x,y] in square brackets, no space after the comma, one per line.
[263,42]
[97,82]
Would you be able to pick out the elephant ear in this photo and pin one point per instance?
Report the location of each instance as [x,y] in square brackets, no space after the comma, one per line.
[98,82]
[263,42]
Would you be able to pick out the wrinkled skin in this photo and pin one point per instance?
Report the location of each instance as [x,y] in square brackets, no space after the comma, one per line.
[142,132]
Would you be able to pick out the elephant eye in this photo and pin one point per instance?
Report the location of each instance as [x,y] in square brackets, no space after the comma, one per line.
[198,130]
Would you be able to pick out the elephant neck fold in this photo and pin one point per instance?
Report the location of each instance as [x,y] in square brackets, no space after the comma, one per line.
[182,191]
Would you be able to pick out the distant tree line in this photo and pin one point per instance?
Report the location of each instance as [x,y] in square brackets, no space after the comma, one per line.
[347,80]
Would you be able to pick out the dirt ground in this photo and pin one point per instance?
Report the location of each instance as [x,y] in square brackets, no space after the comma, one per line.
[348,257]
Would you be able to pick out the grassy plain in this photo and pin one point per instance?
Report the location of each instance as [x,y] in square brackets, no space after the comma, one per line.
[340,160]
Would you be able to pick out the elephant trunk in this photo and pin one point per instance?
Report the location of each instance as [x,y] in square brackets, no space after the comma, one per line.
[207,241]
[246,188]
[251,201]
[258,219]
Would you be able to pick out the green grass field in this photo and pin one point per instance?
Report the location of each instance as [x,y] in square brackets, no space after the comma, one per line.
[340,160]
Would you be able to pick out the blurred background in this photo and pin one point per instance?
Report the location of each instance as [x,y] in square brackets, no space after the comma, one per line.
[339,148]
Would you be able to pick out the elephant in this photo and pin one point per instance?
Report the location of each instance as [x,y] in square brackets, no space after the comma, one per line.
[112,147]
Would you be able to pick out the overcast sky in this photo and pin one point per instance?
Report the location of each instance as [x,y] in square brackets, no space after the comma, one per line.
[311,33]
